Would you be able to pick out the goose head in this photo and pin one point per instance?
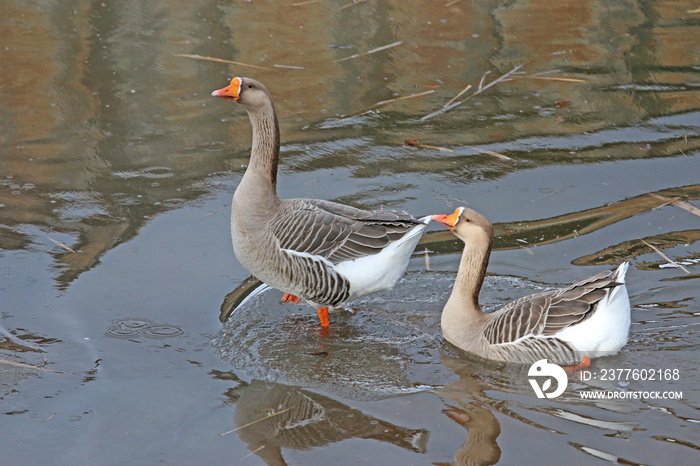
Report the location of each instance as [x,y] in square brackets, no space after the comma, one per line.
[249,93]
[468,225]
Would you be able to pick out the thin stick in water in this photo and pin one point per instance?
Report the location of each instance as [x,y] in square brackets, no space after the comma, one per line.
[552,78]
[221,60]
[481,88]
[309,2]
[458,95]
[668,259]
[381,104]
[58,243]
[254,422]
[378,49]
[353,3]
[253,452]
[489,152]
[678,203]
[29,366]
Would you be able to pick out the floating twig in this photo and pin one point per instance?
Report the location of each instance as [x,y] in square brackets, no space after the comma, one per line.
[552,78]
[427,260]
[289,67]
[29,366]
[391,101]
[480,89]
[309,2]
[458,95]
[414,143]
[253,452]
[254,422]
[489,152]
[221,60]
[47,419]
[353,3]
[378,49]
[381,104]
[682,204]
[668,259]
[58,243]
[448,4]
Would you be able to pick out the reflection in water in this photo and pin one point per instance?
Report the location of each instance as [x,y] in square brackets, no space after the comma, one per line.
[121,130]
[272,416]
[13,368]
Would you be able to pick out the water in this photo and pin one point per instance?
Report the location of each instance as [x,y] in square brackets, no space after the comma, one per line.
[111,146]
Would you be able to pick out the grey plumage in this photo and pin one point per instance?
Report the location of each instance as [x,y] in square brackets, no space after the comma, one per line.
[303,246]
[545,325]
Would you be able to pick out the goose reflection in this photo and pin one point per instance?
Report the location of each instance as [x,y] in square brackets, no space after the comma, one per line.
[272,416]
[467,404]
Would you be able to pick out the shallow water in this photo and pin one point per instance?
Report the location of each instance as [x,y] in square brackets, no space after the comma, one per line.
[111,147]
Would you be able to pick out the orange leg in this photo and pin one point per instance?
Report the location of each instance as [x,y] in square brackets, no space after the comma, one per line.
[290,298]
[323,316]
[584,363]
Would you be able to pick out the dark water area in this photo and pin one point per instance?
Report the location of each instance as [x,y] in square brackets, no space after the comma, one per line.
[117,169]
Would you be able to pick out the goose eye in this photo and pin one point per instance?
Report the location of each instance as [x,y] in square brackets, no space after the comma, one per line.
[250,86]
[467,219]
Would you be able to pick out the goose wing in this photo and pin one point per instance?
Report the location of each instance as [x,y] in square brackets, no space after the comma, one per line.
[337,232]
[546,314]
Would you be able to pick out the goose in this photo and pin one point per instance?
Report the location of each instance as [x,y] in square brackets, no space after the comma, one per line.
[568,326]
[320,251]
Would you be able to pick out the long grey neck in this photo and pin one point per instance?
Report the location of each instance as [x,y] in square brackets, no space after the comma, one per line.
[256,194]
[266,144]
[463,304]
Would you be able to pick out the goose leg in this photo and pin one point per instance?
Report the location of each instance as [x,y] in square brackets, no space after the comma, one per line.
[290,298]
[583,363]
[323,316]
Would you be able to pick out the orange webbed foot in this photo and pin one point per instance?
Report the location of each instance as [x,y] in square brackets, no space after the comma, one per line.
[290,298]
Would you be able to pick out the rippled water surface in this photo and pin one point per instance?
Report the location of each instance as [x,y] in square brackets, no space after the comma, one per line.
[116,173]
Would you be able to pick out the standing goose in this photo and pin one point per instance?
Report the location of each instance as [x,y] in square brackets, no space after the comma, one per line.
[567,326]
[321,251]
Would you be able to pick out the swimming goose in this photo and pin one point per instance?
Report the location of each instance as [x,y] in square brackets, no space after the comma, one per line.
[321,251]
[567,326]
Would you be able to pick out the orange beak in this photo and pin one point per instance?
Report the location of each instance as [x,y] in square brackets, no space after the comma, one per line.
[448,220]
[230,92]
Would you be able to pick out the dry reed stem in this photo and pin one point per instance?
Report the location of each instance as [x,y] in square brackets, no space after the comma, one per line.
[289,67]
[378,49]
[414,143]
[254,422]
[47,419]
[221,60]
[309,2]
[58,243]
[554,78]
[381,104]
[458,95]
[682,204]
[480,89]
[448,4]
[353,3]
[29,366]
[253,452]
[489,152]
[668,259]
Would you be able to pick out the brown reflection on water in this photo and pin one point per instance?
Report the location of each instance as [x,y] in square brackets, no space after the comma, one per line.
[270,417]
[95,97]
